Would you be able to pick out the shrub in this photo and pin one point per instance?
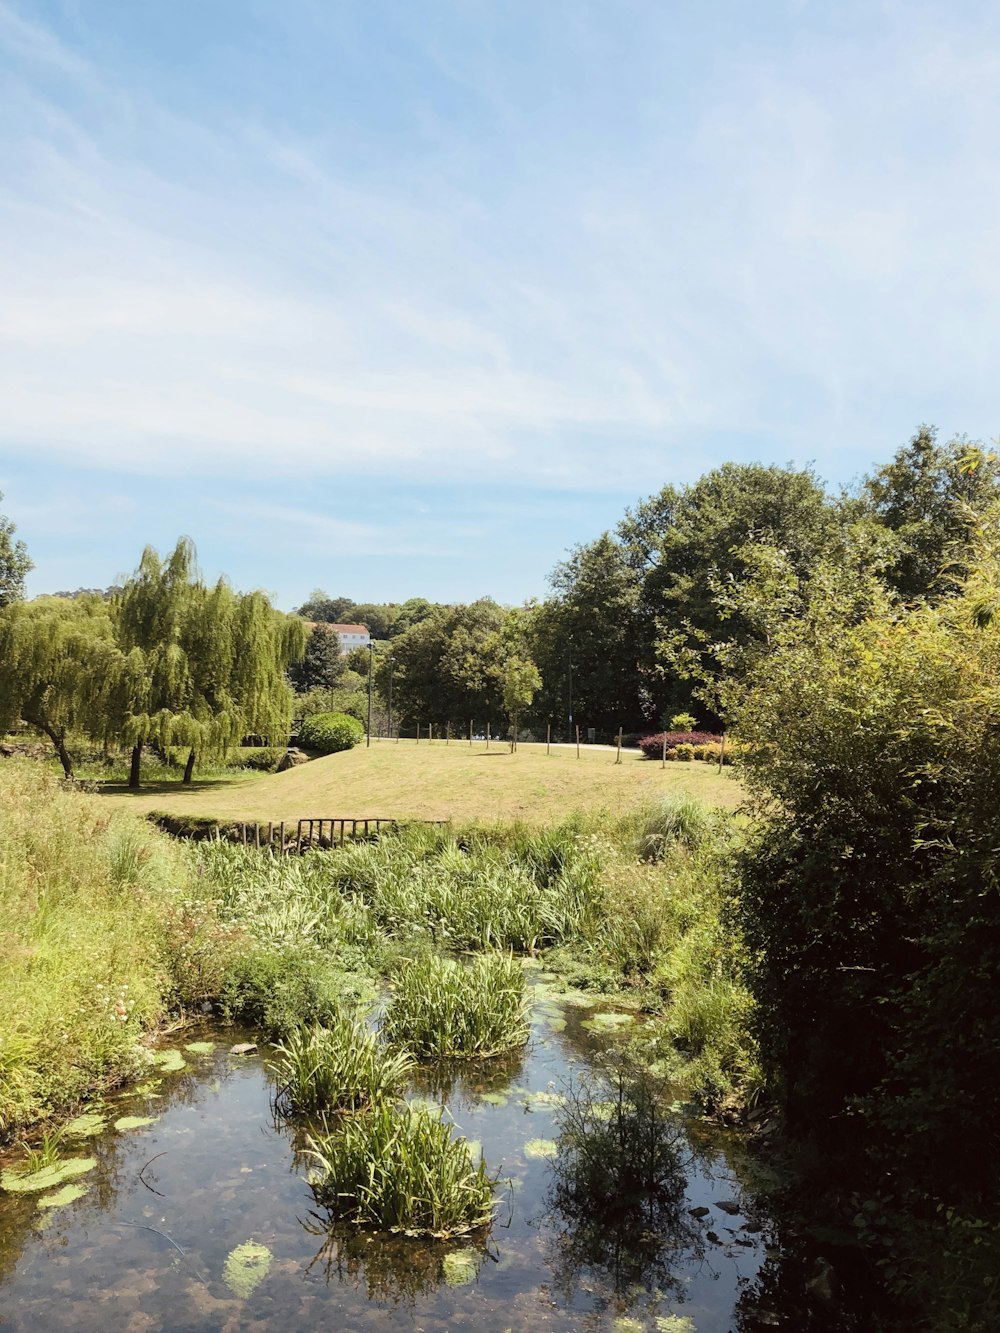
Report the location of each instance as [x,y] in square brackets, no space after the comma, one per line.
[684,753]
[652,746]
[682,820]
[330,732]
[277,989]
[341,1067]
[401,1170]
[263,758]
[442,1008]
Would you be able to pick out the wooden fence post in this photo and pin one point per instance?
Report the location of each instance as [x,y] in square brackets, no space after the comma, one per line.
[548,738]
[663,761]
[722,752]
[578,742]
[619,756]
[470,731]
[487,735]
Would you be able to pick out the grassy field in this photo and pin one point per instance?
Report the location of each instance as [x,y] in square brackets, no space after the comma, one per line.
[439,781]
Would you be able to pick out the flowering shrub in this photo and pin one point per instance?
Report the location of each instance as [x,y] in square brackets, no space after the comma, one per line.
[652,746]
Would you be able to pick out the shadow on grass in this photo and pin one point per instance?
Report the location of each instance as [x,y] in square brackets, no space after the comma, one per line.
[167,787]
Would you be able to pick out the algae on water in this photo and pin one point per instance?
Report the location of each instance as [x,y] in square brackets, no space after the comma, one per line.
[86,1125]
[246,1268]
[32,1182]
[135,1121]
[169,1062]
[60,1198]
[200,1047]
[460,1267]
[540,1148]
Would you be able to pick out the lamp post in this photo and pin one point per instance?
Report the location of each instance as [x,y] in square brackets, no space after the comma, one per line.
[569,705]
[371,661]
[392,663]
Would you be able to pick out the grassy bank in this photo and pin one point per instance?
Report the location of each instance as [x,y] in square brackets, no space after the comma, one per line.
[109,927]
[447,781]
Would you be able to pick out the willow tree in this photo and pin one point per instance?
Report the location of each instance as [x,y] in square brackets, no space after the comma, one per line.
[195,666]
[54,652]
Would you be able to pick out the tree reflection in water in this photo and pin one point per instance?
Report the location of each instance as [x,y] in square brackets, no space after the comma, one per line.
[618,1188]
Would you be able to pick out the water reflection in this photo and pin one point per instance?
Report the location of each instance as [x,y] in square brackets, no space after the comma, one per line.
[617,1197]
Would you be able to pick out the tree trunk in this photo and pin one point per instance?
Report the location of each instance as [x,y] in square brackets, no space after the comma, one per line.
[189,766]
[57,735]
[133,777]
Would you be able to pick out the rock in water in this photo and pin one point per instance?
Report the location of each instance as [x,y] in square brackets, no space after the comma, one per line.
[244,1048]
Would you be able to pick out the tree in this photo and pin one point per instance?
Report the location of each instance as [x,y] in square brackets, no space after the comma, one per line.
[442,666]
[53,652]
[709,528]
[930,499]
[590,629]
[519,680]
[15,563]
[322,665]
[194,666]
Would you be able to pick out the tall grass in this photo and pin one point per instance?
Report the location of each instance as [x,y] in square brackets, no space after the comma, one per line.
[443,1008]
[401,1170]
[95,924]
[343,1067]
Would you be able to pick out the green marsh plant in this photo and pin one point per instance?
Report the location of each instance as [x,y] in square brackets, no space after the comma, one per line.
[442,1008]
[340,1067]
[401,1170]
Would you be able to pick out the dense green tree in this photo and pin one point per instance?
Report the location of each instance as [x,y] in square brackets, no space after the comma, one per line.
[195,667]
[519,680]
[15,563]
[53,652]
[708,528]
[322,665]
[444,666]
[931,502]
[590,630]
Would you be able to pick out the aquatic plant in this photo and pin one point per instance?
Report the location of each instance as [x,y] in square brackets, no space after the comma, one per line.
[246,1267]
[682,820]
[443,1008]
[401,1169]
[340,1067]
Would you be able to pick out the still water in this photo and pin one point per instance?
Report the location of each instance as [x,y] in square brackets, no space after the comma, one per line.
[148,1246]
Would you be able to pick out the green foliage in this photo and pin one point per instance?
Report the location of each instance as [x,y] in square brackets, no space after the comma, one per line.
[15,563]
[276,988]
[322,664]
[440,1007]
[680,820]
[330,732]
[339,1067]
[402,1170]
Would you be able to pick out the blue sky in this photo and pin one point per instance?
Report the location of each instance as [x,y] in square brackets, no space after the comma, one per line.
[406,299]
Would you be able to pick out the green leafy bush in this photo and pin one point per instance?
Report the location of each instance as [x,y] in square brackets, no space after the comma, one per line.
[330,732]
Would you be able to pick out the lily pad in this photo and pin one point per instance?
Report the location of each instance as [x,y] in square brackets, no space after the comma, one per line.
[544,1101]
[495,1098]
[147,1089]
[537,1148]
[200,1047]
[87,1125]
[171,1062]
[675,1323]
[60,1198]
[135,1121]
[608,1022]
[460,1267]
[32,1182]
[246,1268]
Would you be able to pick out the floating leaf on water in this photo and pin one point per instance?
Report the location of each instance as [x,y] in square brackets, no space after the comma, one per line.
[495,1098]
[31,1182]
[135,1121]
[540,1148]
[625,1325]
[200,1047]
[580,999]
[86,1125]
[675,1323]
[461,1267]
[475,1148]
[607,1022]
[171,1062]
[556,1024]
[246,1268]
[146,1089]
[60,1198]
[544,1101]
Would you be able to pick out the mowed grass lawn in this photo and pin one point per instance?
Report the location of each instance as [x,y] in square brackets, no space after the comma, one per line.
[444,781]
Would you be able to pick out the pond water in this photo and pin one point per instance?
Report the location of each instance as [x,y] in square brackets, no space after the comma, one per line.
[150,1244]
